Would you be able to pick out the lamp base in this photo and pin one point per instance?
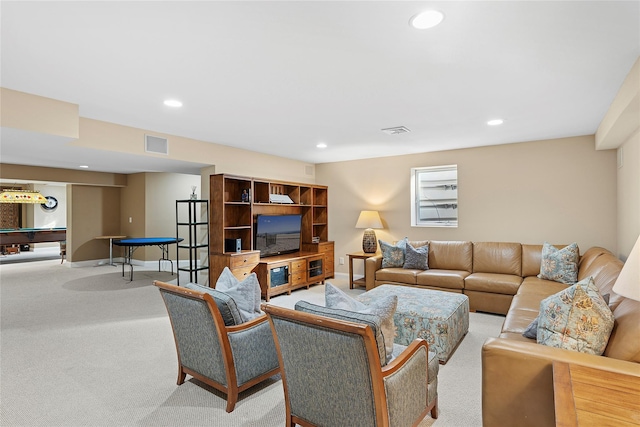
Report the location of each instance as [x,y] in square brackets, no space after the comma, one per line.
[369,241]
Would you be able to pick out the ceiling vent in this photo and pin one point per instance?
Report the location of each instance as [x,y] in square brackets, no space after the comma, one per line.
[396,130]
[155,144]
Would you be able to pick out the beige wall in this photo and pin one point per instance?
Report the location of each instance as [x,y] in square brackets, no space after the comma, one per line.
[93,211]
[38,114]
[559,191]
[133,209]
[162,190]
[620,129]
[9,172]
[629,195]
[109,136]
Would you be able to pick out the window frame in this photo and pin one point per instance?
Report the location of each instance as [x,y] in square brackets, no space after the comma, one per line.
[445,184]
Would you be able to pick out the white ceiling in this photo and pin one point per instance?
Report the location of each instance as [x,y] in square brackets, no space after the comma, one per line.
[280,77]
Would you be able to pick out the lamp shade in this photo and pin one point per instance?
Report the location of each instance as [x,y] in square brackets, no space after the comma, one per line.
[369,219]
[628,282]
[21,196]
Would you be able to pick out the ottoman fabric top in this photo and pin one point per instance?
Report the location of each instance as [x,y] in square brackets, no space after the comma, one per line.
[441,318]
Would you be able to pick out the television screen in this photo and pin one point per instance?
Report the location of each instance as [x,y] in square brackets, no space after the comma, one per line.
[277,234]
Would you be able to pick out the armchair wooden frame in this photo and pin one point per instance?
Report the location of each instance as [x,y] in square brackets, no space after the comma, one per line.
[232,389]
[378,373]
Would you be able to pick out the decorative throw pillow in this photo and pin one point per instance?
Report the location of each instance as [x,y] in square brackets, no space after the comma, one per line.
[393,255]
[384,308]
[417,258]
[371,320]
[532,329]
[576,318]
[246,293]
[560,265]
[227,306]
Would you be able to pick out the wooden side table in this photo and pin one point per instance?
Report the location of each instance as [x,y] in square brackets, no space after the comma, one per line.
[591,397]
[358,255]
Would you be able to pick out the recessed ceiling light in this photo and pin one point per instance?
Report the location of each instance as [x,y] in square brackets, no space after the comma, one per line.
[83,167]
[426,19]
[172,103]
[321,145]
[495,122]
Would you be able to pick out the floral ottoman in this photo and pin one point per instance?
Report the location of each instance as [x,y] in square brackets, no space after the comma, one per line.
[441,318]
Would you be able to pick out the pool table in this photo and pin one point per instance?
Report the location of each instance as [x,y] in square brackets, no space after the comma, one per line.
[25,236]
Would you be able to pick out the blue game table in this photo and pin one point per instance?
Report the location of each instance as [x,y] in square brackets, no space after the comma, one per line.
[130,245]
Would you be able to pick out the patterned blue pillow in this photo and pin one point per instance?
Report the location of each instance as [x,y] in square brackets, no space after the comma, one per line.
[393,255]
[576,318]
[560,265]
[417,258]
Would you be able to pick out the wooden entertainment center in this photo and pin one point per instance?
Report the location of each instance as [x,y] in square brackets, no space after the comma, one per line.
[235,203]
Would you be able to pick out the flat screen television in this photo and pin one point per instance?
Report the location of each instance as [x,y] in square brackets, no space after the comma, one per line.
[277,234]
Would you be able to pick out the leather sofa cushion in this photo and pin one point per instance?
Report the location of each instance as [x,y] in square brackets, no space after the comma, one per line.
[497,257]
[447,279]
[590,255]
[604,269]
[450,255]
[532,258]
[530,302]
[495,283]
[418,243]
[541,288]
[401,275]
[518,319]
[624,342]
[514,336]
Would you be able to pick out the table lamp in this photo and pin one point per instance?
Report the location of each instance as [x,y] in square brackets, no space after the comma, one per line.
[369,220]
[628,281]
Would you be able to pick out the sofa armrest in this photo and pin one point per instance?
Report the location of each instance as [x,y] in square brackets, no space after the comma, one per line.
[517,380]
[371,265]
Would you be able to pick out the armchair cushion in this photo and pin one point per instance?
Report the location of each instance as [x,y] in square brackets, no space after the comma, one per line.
[384,308]
[227,306]
[246,293]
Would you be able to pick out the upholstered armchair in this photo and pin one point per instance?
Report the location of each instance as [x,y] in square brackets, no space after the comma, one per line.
[332,374]
[211,348]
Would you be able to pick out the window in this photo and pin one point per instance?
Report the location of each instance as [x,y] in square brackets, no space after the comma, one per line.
[434,195]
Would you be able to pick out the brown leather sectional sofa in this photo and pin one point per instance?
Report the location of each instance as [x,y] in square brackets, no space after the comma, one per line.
[517,373]
[489,273]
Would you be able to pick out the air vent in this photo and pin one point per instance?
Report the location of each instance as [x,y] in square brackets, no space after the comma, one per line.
[155,144]
[396,130]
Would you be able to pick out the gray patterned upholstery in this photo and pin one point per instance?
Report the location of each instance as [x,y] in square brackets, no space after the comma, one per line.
[228,358]
[332,374]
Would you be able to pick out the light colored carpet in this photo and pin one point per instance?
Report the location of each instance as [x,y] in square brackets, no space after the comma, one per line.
[85,347]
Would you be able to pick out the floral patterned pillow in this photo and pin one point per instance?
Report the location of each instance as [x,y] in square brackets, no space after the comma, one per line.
[560,265]
[576,318]
[417,258]
[393,255]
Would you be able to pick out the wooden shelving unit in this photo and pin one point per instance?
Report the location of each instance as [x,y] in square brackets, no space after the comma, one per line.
[235,203]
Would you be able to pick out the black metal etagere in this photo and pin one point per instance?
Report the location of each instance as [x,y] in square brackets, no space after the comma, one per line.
[194,229]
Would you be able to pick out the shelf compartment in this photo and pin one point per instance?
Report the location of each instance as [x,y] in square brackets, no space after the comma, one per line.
[237,216]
